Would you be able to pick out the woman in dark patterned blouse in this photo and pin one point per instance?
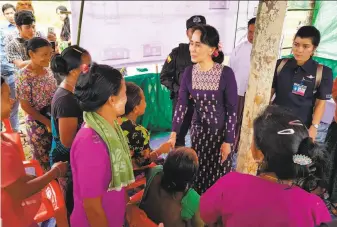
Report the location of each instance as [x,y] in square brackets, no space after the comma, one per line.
[138,136]
[214,91]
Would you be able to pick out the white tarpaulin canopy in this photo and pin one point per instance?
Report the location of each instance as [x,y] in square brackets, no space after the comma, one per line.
[121,33]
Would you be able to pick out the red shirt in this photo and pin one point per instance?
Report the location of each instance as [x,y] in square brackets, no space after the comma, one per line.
[14,212]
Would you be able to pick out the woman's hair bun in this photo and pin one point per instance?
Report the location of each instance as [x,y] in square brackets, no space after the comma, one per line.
[58,64]
[306,146]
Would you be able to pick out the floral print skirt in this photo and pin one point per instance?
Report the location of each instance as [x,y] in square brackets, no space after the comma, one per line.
[207,145]
[40,142]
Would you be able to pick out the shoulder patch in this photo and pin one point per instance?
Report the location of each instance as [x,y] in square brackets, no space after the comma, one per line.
[168,59]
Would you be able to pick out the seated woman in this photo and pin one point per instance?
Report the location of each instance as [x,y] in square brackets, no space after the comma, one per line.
[291,166]
[138,136]
[20,193]
[168,197]
[100,157]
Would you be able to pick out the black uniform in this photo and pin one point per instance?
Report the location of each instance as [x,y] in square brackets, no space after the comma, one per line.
[295,88]
[171,76]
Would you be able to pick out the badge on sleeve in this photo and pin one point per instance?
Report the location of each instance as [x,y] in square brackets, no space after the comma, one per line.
[168,59]
[299,89]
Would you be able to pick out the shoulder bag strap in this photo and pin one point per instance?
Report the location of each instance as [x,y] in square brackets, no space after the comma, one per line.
[281,65]
[319,74]
[152,173]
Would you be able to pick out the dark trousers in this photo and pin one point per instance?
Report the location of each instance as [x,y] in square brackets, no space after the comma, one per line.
[180,142]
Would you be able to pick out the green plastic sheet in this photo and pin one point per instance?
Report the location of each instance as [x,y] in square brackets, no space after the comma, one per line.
[158,113]
[325,20]
[330,63]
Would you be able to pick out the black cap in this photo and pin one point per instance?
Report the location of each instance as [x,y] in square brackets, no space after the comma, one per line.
[195,20]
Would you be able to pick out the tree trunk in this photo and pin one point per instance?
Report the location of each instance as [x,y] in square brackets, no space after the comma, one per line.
[268,31]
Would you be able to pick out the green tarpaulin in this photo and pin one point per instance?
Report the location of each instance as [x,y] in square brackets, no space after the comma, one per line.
[158,113]
[325,20]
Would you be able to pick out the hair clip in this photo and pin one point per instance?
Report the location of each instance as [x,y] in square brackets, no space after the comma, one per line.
[302,160]
[296,122]
[216,53]
[288,131]
[78,50]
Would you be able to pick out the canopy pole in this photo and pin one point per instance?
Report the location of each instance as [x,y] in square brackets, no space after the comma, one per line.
[80,23]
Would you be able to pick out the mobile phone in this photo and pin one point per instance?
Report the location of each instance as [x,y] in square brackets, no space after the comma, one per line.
[51,30]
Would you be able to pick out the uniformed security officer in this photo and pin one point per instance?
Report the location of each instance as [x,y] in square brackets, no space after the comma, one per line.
[172,72]
[300,83]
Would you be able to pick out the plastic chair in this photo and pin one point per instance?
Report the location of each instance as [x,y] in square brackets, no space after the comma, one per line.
[15,137]
[136,198]
[136,217]
[141,181]
[53,204]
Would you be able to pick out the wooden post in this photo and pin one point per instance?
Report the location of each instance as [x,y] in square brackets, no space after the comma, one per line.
[268,31]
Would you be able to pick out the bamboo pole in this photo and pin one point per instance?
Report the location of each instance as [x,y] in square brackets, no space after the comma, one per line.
[268,31]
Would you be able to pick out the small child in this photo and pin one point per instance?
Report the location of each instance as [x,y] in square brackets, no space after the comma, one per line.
[138,136]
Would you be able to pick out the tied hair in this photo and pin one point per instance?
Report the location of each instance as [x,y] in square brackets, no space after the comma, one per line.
[88,91]
[309,175]
[85,91]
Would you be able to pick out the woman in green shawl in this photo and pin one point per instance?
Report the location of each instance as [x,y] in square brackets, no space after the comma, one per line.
[100,156]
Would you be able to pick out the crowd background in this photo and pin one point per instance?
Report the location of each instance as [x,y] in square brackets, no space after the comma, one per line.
[45,14]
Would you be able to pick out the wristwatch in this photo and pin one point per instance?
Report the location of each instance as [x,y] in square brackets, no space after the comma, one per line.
[315,126]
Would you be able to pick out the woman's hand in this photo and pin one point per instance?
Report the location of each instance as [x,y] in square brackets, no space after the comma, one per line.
[51,37]
[225,151]
[313,132]
[47,123]
[173,139]
[61,168]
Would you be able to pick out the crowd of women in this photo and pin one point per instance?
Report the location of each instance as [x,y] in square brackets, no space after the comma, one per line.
[83,132]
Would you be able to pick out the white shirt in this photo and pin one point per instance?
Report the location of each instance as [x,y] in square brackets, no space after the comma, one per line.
[240,63]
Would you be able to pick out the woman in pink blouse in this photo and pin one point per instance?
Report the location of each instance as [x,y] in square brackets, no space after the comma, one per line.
[291,166]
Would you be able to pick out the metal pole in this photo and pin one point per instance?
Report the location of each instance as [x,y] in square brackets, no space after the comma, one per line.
[237,19]
[80,23]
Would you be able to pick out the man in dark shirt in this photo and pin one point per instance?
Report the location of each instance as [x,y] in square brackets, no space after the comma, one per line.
[172,73]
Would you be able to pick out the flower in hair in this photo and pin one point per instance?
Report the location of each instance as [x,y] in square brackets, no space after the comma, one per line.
[216,53]
[84,68]
[302,160]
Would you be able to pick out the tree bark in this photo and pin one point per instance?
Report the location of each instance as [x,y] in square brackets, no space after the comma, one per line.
[268,31]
